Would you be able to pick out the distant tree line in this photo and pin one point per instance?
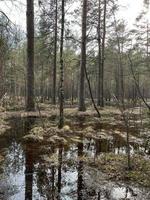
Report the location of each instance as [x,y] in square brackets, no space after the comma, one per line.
[65,45]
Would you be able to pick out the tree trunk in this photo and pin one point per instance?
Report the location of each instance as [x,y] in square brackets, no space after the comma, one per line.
[61,117]
[120,70]
[83,59]
[99,53]
[103,58]
[147,47]
[42,86]
[30,56]
[1,76]
[55,56]
[60,168]
[72,90]
[80,184]
[28,174]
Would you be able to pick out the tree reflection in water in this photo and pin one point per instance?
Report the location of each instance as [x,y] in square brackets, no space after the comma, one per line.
[59,169]
[28,173]
[80,172]
[28,161]
[69,178]
[53,177]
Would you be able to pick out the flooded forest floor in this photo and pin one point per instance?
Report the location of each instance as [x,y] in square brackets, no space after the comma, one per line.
[86,159]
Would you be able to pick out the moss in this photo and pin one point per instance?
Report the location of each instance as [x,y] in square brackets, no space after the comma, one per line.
[30,138]
[1,159]
[35,135]
[3,126]
[115,166]
[50,160]
[1,162]
[37,131]
[2,109]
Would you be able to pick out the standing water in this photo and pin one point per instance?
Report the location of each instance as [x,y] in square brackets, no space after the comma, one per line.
[44,172]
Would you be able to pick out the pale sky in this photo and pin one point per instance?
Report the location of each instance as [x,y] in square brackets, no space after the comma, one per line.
[129,10]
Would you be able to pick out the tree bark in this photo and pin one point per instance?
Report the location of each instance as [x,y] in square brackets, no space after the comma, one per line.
[61,109]
[120,71]
[83,58]
[55,55]
[103,58]
[1,75]
[91,95]
[147,47]
[30,56]
[99,53]
[42,85]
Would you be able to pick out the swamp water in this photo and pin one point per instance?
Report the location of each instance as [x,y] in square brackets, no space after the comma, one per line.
[36,172]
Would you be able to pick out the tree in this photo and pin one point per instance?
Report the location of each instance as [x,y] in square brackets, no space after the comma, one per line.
[120,39]
[55,54]
[30,56]
[139,55]
[146,3]
[101,52]
[2,52]
[4,24]
[8,41]
[61,97]
[83,58]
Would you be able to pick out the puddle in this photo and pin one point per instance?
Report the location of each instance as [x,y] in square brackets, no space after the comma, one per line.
[26,175]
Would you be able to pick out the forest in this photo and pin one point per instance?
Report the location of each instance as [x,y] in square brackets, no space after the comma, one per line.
[74,100]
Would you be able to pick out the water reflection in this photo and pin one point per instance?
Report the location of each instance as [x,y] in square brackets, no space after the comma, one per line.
[53,182]
[80,184]
[53,179]
[32,178]
[60,150]
[28,123]
[28,173]
[102,145]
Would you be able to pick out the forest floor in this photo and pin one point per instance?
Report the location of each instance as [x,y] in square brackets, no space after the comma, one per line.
[103,140]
